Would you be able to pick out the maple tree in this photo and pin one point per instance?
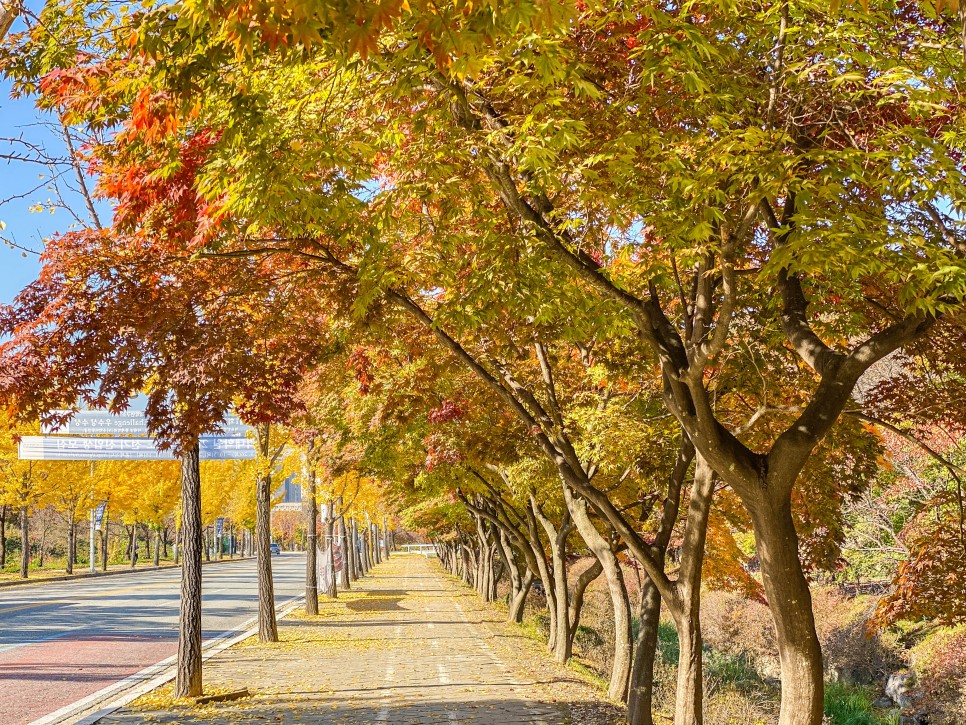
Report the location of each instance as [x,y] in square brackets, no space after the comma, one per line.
[674,183]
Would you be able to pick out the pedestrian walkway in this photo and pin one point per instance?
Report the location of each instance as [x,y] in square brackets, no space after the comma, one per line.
[408,646]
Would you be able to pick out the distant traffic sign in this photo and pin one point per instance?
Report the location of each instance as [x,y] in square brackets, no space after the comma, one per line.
[64,448]
[128,422]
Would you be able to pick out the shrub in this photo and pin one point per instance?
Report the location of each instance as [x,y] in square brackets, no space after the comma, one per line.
[940,665]
[742,628]
[852,654]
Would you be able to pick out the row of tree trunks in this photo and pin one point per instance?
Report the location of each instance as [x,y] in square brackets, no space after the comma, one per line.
[519,540]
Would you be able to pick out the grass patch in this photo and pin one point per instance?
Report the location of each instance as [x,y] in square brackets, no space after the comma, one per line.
[667,643]
[845,705]
[731,671]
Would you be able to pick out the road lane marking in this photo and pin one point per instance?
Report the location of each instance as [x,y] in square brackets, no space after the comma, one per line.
[69,630]
[153,676]
[100,595]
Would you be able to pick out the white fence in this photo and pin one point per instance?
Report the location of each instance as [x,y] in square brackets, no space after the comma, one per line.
[424,549]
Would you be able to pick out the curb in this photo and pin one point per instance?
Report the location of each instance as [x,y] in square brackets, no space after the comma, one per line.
[153,676]
[115,572]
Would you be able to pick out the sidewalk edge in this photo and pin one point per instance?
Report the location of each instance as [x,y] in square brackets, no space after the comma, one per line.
[153,676]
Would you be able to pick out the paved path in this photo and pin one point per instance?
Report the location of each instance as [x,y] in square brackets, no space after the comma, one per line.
[63,641]
[406,646]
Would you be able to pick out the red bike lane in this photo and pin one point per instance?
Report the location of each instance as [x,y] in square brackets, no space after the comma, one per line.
[39,678]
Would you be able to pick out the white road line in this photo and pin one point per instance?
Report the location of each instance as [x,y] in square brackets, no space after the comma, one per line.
[69,630]
[151,677]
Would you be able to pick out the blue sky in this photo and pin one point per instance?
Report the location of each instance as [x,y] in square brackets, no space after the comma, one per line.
[26,228]
[20,120]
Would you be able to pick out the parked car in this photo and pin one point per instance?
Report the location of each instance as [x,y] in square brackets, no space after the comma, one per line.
[276,549]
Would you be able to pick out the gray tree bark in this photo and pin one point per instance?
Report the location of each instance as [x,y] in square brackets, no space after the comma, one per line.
[3,535]
[601,548]
[71,535]
[344,577]
[267,625]
[188,680]
[24,541]
[312,535]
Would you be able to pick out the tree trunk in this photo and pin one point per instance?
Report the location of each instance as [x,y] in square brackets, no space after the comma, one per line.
[544,570]
[189,682]
[689,697]
[24,541]
[207,540]
[790,602]
[518,601]
[71,534]
[640,693]
[157,546]
[312,535]
[520,583]
[344,541]
[104,542]
[385,537]
[562,642]
[147,540]
[333,591]
[3,536]
[133,545]
[620,671]
[351,550]
[586,578]
[370,558]
[267,626]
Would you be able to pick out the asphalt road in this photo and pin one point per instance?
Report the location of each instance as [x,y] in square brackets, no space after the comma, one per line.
[63,641]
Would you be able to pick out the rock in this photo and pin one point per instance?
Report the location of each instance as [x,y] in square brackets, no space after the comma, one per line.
[897,688]
[921,718]
[883,703]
